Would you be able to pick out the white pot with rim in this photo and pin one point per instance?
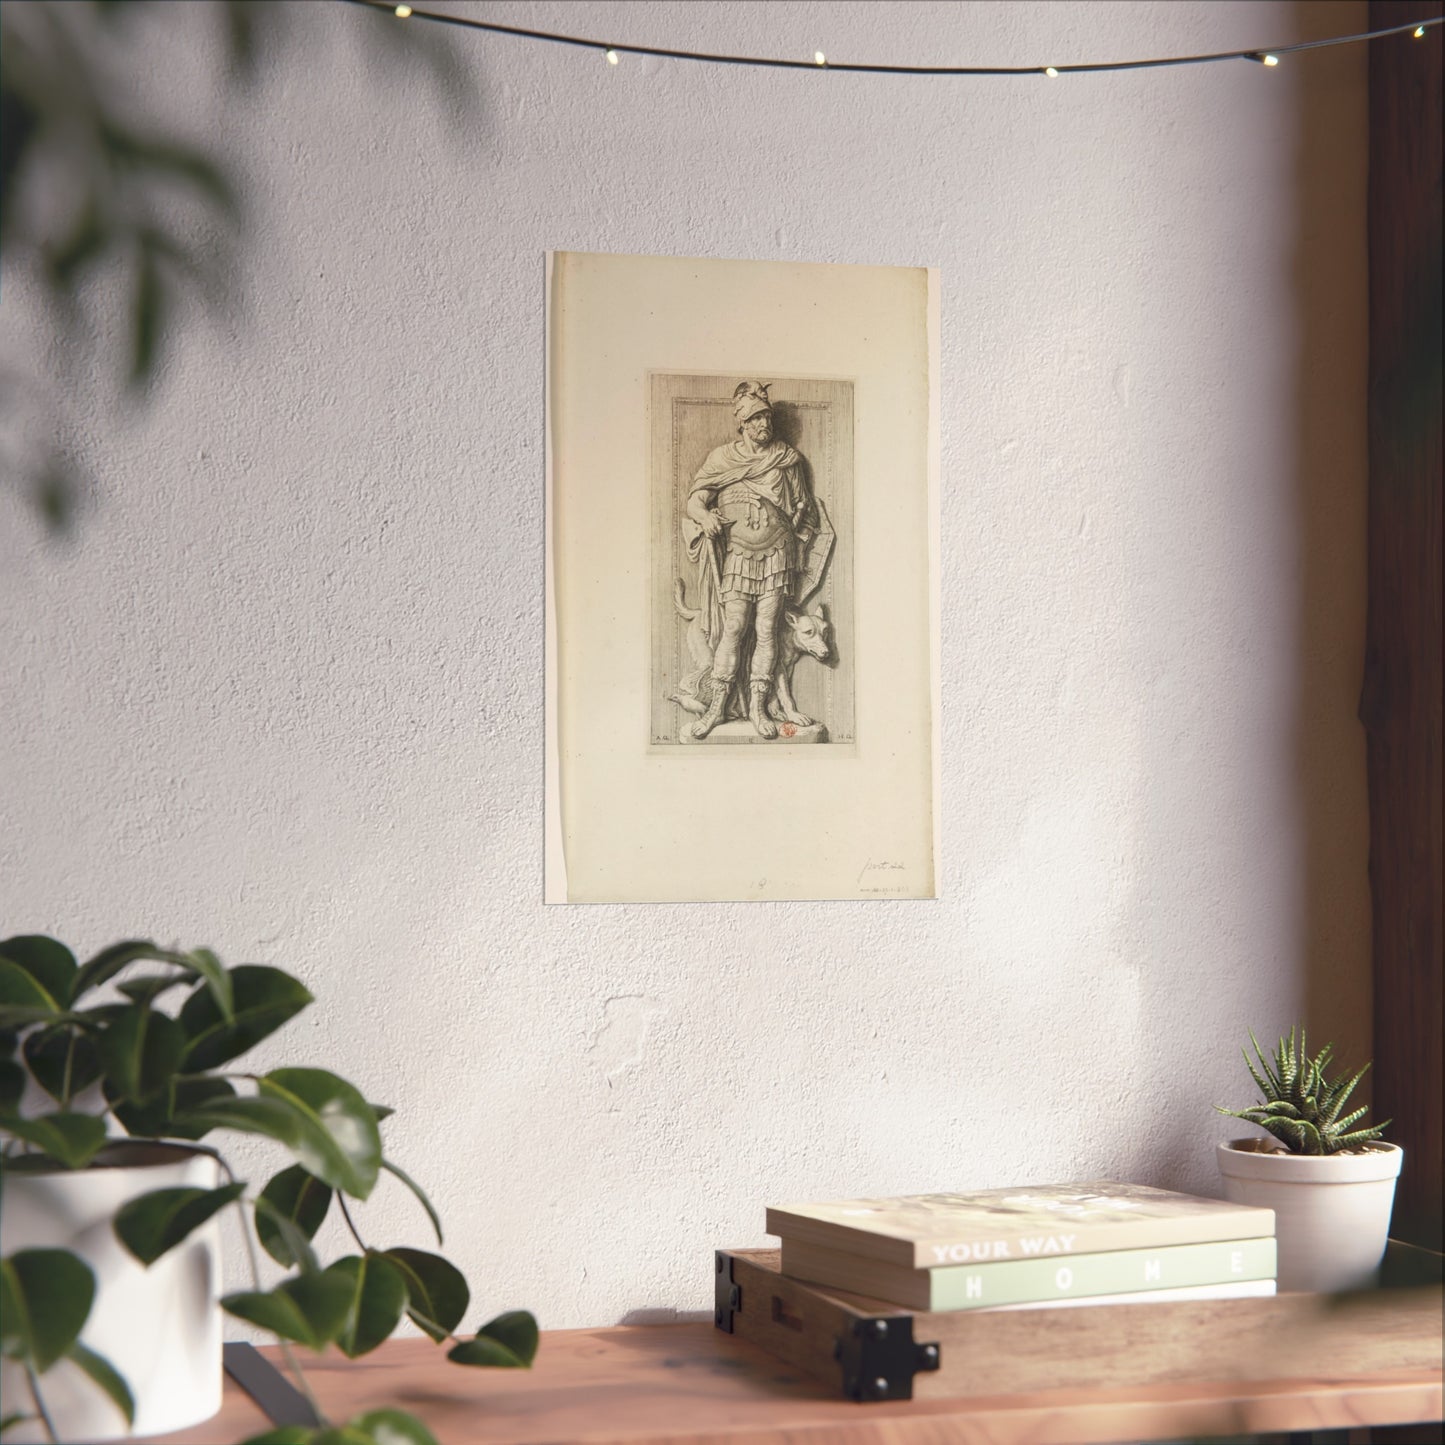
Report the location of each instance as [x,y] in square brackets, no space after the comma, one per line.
[1331,1211]
[160,1327]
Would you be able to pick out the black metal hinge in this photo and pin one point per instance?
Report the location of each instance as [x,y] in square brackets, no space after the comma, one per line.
[727,1296]
[280,1401]
[880,1358]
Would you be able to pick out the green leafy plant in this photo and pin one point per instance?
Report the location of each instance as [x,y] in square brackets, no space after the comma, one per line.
[1302,1108]
[171,1075]
[92,189]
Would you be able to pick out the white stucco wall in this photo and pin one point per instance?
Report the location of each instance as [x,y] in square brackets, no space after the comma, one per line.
[281,694]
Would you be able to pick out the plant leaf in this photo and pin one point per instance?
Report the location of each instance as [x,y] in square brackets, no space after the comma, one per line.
[1290,1132]
[378,1296]
[1337,1100]
[1360,1136]
[14,1322]
[147,316]
[46,1296]
[517,1330]
[340,1143]
[264,998]
[269,1117]
[507,1342]
[241,33]
[280,1116]
[310,1310]
[87,238]
[12,1086]
[109,962]
[165,1115]
[1338,1126]
[180,161]
[148,989]
[296,1243]
[273,1311]
[200,963]
[23,999]
[437,1293]
[151,1224]
[19,1016]
[210,968]
[298,1197]
[141,1051]
[416,1189]
[1282,1107]
[11,1421]
[392,1427]
[484,1352]
[104,1374]
[73,1139]
[46,1053]
[1270,1085]
[97,1018]
[141,1121]
[50,964]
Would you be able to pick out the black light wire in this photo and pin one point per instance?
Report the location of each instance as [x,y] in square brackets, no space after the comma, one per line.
[1260,55]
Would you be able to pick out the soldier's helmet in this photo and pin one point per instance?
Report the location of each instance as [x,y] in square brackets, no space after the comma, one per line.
[750,398]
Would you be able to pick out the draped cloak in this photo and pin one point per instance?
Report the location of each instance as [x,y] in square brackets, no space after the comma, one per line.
[763,494]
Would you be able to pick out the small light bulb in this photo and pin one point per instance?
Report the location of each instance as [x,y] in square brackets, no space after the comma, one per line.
[402,11]
[1051,72]
[1271,60]
[612,57]
[819,58]
[1419,32]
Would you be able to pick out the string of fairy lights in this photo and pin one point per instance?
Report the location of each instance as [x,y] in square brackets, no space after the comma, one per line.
[613,51]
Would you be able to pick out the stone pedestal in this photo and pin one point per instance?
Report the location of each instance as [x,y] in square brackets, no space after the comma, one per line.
[741,733]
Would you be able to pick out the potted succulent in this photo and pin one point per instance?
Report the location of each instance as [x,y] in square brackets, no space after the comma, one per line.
[113,1086]
[1331,1185]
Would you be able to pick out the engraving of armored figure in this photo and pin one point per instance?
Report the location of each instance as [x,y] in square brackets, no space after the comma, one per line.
[759,542]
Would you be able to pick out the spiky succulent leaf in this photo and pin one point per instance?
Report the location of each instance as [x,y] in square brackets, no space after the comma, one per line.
[1338,1126]
[1361,1136]
[1285,1066]
[1269,1085]
[1260,1084]
[1337,1100]
[1299,1104]
[1290,1132]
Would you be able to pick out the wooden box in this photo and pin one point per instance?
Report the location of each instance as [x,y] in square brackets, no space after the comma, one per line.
[871,1350]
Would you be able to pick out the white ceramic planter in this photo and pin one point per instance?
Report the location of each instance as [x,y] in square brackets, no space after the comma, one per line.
[1331,1212]
[160,1327]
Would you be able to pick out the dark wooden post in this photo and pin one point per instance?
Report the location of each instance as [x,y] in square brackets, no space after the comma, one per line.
[1400,703]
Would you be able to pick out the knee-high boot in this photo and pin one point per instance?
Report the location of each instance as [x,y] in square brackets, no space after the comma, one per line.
[758,710]
[717,701]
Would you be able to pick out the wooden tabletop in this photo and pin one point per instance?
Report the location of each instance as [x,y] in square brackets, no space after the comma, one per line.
[694,1385]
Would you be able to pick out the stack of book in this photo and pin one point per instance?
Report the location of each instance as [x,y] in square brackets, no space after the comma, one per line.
[1031,1247]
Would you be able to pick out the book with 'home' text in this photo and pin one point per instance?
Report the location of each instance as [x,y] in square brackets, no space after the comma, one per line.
[1035,1281]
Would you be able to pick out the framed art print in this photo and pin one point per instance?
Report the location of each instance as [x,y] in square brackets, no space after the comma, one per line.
[741,580]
